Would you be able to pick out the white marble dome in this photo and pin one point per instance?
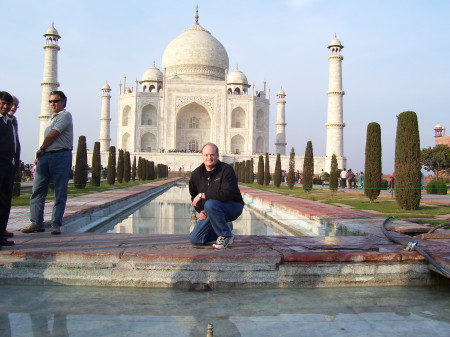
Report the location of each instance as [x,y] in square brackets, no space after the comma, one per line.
[195,53]
[106,87]
[152,74]
[52,31]
[236,77]
[335,43]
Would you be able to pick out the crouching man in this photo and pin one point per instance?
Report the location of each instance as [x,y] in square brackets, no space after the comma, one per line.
[216,197]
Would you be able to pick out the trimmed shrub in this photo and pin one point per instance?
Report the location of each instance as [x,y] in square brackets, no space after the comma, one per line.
[120,167]
[266,171]
[81,165]
[334,174]
[407,162]
[437,187]
[372,168]
[384,184]
[96,165]
[317,181]
[277,173]
[112,165]
[291,172]
[308,167]
[260,176]
[126,167]
[133,169]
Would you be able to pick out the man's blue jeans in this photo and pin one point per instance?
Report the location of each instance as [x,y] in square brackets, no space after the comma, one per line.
[218,214]
[50,167]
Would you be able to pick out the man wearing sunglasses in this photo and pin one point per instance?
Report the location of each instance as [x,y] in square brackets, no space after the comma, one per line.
[53,162]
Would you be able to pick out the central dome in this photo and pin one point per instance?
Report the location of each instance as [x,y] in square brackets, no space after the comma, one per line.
[195,53]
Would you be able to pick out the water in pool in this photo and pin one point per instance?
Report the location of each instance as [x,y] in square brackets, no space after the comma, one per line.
[94,311]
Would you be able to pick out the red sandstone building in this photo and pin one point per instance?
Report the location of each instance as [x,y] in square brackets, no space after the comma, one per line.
[440,137]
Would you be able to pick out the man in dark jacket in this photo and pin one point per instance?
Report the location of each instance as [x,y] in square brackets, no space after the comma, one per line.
[216,197]
[9,163]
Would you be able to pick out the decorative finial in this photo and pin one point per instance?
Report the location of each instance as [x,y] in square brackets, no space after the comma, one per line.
[335,36]
[237,67]
[154,65]
[196,14]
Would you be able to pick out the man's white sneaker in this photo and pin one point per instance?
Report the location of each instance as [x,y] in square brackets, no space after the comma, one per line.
[223,242]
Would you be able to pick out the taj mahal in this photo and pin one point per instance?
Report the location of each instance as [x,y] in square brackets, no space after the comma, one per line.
[195,98]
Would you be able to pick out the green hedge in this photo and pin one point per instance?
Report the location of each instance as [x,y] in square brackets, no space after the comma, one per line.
[437,187]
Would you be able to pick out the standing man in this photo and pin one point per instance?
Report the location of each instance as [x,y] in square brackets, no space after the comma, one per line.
[53,162]
[344,178]
[9,163]
[18,176]
[216,197]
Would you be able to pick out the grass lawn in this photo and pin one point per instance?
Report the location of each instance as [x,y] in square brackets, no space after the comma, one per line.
[383,206]
[25,194]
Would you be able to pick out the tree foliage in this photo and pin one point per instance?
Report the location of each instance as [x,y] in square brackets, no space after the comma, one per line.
[291,172]
[134,169]
[126,167]
[96,165]
[436,159]
[81,165]
[112,165]
[266,171]
[308,167]
[407,162]
[334,174]
[372,168]
[120,166]
[277,173]
[260,176]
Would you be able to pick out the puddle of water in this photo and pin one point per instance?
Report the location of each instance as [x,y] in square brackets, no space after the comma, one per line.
[98,311]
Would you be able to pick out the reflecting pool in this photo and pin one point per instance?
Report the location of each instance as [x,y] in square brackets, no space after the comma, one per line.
[98,311]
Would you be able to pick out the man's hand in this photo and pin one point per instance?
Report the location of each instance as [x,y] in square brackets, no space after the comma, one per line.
[197,200]
[202,215]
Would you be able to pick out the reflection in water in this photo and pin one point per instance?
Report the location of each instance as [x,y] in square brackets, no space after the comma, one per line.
[171,213]
[97,311]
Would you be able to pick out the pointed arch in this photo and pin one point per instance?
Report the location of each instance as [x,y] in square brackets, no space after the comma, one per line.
[238,118]
[193,124]
[126,115]
[148,142]
[237,144]
[126,141]
[148,115]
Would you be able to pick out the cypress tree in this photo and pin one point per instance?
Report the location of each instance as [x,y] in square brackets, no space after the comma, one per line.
[120,167]
[334,174]
[291,172]
[112,165]
[249,172]
[242,171]
[81,165]
[133,169]
[277,173]
[140,168]
[260,175]
[96,165]
[151,171]
[126,167]
[266,171]
[308,167]
[372,168]
[236,170]
[407,162]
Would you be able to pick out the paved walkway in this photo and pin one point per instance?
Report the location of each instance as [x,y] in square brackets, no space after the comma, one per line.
[252,261]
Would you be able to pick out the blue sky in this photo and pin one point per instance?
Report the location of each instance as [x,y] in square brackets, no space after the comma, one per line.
[396,58]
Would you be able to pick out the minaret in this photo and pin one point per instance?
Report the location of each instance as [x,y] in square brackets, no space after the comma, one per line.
[105,119]
[335,125]
[50,78]
[280,144]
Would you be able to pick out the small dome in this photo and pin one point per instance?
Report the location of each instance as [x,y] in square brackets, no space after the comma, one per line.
[106,87]
[52,31]
[236,77]
[152,74]
[281,93]
[438,126]
[335,43]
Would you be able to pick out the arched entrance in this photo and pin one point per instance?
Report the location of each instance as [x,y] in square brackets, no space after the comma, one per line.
[193,126]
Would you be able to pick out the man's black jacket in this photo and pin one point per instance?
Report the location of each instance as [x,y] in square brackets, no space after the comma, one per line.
[222,185]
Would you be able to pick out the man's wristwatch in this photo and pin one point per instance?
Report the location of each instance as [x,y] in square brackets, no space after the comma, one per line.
[200,195]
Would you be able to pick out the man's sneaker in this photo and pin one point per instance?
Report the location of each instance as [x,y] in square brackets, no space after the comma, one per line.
[230,224]
[33,229]
[223,242]
[55,230]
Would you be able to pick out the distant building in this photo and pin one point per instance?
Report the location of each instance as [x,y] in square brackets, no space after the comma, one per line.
[440,137]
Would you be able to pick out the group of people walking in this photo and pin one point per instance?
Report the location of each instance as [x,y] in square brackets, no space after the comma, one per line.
[53,161]
[351,180]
